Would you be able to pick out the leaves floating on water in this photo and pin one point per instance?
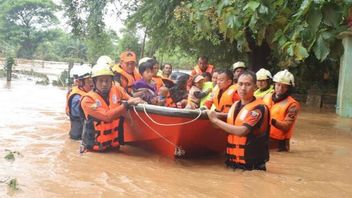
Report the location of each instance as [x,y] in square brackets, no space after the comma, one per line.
[10,156]
[12,184]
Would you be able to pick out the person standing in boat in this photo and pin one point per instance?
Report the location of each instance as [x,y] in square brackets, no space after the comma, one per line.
[225,95]
[263,83]
[102,108]
[82,84]
[126,72]
[248,125]
[283,111]
[202,67]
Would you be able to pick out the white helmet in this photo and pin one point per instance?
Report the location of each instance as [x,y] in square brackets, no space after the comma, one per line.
[284,77]
[263,74]
[238,64]
[81,71]
[73,72]
[101,70]
[105,60]
[143,60]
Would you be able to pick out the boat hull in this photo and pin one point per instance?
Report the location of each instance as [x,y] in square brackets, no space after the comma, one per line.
[171,132]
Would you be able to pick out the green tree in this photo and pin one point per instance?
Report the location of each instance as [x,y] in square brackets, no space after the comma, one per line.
[26,24]
[129,41]
[279,32]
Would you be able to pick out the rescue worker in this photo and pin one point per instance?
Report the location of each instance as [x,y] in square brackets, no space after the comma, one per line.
[126,72]
[283,111]
[102,109]
[238,68]
[202,67]
[82,84]
[248,128]
[263,83]
[225,94]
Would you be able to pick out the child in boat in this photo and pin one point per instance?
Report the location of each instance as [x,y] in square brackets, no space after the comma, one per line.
[195,93]
[162,96]
[145,88]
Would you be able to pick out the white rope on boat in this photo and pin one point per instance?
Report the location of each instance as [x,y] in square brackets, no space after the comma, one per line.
[178,150]
[175,124]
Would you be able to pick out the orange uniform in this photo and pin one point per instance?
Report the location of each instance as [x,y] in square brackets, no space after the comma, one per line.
[102,119]
[250,151]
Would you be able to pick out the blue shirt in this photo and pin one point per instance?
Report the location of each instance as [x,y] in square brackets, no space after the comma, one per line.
[75,108]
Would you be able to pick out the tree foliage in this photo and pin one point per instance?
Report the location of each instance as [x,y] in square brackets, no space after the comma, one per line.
[26,23]
[231,29]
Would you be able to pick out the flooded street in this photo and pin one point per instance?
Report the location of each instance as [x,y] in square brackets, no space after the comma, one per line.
[33,122]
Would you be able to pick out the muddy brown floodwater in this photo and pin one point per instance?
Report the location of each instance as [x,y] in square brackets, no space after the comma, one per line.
[33,122]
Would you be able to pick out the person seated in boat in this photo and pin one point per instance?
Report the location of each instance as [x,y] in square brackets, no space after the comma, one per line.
[163,95]
[126,73]
[208,85]
[226,93]
[83,84]
[247,125]
[103,107]
[178,92]
[238,68]
[195,93]
[156,78]
[263,83]
[145,88]
[166,71]
[283,111]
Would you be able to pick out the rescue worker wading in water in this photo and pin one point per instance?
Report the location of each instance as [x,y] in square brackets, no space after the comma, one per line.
[283,111]
[102,108]
[248,128]
[82,84]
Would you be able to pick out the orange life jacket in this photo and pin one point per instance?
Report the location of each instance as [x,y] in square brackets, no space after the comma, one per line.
[278,111]
[158,82]
[126,79]
[226,99]
[98,135]
[73,91]
[197,70]
[249,149]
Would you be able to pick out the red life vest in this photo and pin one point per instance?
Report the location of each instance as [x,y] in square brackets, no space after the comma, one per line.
[226,99]
[98,135]
[278,111]
[253,148]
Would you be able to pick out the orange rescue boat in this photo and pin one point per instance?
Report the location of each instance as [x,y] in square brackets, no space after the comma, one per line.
[173,132]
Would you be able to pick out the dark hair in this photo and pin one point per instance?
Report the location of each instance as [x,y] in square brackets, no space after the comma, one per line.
[251,74]
[228,73]
[144,66]
[206,74]
[153,61]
